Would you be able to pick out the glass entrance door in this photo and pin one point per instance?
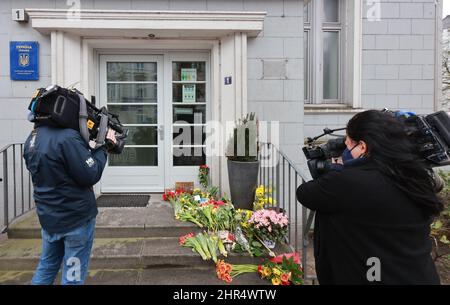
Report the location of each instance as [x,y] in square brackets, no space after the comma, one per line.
[131,86]
[187,91]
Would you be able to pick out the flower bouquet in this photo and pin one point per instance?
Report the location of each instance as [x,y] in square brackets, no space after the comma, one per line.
[288,272]
[203,176]
[171,194]
[204,244]
[226,272]
[216,215]
[284,269]
[269,226]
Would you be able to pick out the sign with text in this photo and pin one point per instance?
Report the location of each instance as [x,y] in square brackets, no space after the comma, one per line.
[24,60]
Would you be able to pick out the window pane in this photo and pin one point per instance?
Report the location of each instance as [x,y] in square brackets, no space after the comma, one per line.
[188,135]
[188,71]
[142,135]
[188,156]
[131,71]
[132,93]
[135,114]
[331,10]
[188,93]
[331,65]
[192,114]
[135,156]
[306,64]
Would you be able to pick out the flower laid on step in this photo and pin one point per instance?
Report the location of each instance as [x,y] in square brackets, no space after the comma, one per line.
[284,272]
[216,215]
[188,214]
[223,271]
[182,239]
[204,244]
[269,225]
[171,194]
[203,176]
[226,272]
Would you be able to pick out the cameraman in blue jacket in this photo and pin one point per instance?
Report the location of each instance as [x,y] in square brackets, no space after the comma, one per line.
[64,169]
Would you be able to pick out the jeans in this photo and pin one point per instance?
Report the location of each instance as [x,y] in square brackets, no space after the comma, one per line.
[73,249]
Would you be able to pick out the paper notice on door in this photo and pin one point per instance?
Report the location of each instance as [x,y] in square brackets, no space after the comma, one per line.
[188,93]
[189,75]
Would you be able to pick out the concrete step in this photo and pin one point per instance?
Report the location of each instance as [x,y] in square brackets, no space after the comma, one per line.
[152,276]
[120,253]
[155,220]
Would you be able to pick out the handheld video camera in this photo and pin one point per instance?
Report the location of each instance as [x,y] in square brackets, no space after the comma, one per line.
[430,133]
[319,155]
[67,108]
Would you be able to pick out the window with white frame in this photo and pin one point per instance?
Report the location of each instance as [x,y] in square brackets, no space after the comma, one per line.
[324,50]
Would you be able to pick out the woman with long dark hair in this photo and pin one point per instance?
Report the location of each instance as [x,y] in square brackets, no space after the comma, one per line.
[373,217]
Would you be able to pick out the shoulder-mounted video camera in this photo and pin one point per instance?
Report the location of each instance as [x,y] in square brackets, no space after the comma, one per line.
[67,108]
[430,133]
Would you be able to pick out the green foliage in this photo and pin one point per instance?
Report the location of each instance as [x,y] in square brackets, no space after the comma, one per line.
[440,228]
[214,191]
[243,144]
[203,176]
[446,177]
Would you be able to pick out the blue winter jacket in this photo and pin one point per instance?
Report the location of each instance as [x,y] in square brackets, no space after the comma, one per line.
[63,170]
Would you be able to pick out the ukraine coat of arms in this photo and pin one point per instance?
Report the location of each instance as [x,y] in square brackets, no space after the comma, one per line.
[24,59]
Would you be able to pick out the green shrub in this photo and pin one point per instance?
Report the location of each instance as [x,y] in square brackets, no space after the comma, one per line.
[243,144]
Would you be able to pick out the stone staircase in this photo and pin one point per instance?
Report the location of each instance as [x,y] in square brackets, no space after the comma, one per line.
[132,246]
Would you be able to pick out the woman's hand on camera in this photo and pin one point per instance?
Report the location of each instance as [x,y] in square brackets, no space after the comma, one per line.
[337,160]
[111,135]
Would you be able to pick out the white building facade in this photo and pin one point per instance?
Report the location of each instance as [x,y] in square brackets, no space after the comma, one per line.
[304,64]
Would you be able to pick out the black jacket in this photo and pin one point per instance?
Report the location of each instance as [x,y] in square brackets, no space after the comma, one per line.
[63,169]
[362,214]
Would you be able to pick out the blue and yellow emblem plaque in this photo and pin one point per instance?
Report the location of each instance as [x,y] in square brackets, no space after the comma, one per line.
[24,60]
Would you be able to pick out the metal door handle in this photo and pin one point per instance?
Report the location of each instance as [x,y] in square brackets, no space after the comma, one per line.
[161,132]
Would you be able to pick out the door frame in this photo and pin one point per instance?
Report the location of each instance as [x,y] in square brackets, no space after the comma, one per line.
[107,184]
[170,174]
[183,173]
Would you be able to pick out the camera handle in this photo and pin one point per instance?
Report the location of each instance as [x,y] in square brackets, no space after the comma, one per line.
[82,121]
[326,131]
[102,131]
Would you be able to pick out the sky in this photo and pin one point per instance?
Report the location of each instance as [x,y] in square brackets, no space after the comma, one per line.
[446,9]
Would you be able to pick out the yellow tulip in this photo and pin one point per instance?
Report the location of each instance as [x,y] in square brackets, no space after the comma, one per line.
[276,281]
[267,272]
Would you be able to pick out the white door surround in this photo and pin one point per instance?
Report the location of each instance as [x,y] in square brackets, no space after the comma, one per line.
[77,43]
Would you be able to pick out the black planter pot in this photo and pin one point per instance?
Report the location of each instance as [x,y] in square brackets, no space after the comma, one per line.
[243,178]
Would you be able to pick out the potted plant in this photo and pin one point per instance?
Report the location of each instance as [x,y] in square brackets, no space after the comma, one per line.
[243,163]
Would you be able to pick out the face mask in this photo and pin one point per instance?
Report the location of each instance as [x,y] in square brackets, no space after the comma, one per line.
[347,154]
